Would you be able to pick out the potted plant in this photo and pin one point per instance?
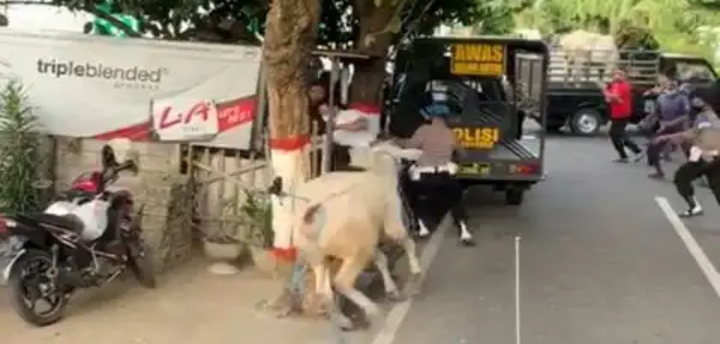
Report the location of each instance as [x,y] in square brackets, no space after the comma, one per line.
[223,245]
[21,153]
[257,232]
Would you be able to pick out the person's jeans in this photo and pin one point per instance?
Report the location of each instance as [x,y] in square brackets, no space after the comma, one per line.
[620,139]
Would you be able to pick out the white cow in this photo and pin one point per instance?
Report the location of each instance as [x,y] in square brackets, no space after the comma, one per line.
[583,49]
[344,217]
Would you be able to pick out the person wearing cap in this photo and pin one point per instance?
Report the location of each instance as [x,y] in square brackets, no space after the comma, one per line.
[703,138]
[673,109]
[618,95]
[434,186]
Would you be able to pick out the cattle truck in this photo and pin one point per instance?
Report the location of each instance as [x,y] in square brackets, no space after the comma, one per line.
[575,99]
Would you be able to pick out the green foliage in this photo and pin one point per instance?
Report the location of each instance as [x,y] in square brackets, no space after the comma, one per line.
[207,20]
[672,24]
[257,211]
[20,151]
[105,28]
[211,19]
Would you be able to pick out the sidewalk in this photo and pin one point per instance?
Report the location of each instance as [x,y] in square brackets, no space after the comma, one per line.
[190,306]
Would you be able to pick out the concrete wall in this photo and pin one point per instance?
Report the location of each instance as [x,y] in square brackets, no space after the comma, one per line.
[159,186]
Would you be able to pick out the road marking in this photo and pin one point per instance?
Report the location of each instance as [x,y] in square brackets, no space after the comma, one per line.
[399,311]
[517,290]
[702,260]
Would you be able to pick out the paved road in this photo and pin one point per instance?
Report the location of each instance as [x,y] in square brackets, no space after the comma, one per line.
[601,264]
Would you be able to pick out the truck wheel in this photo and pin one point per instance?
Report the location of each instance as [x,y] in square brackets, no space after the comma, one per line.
[585,122]
[514,196]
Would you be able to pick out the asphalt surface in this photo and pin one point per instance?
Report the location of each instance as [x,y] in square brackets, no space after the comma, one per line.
[600,263]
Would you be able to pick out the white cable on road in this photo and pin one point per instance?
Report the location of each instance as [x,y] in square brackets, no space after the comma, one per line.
[517,290]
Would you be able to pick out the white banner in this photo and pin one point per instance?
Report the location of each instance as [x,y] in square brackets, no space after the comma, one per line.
[89,86]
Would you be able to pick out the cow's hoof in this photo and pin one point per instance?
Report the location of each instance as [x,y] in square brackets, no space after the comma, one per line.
[394,296]
[412,287]
[341,321]
[372,310]
[359,322]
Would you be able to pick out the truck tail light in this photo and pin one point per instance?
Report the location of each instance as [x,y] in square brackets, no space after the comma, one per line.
[527,169]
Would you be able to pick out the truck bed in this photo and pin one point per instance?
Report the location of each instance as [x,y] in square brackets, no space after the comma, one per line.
[516,150]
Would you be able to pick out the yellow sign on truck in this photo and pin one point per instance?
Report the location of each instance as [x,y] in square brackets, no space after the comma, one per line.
[477,138]
[481,59]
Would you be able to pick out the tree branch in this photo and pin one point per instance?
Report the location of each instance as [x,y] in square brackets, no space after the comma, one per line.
[102,15]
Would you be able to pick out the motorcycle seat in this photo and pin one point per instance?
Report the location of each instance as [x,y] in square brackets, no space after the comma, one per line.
[66,222]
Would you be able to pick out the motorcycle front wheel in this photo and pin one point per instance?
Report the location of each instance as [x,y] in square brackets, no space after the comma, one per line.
[30,284]
[140,263]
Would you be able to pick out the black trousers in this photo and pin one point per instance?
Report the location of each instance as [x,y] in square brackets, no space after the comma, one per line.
[434,194]
[620,139]
[691,170]
[408,199]
[656,150]
[340,159]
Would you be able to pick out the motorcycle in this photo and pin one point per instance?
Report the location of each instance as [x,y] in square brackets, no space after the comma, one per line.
[86,238]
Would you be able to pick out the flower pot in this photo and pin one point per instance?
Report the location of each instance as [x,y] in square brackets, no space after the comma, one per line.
[223,251]
[223,255]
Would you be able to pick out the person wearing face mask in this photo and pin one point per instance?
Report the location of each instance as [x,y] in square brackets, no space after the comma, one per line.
[673,108]
[434,187]
[703,139]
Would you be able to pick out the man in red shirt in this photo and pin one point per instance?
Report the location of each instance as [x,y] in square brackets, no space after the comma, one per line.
[618,95]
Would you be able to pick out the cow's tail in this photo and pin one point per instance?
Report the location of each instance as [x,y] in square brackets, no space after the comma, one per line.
[308,218]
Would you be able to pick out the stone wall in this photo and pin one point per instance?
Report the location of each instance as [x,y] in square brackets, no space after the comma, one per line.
[159,186]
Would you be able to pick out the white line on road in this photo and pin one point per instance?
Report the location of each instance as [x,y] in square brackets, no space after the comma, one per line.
[702,260]
[517,290]
[399,311]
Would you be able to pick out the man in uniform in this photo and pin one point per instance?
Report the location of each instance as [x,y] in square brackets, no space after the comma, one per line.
[703,137]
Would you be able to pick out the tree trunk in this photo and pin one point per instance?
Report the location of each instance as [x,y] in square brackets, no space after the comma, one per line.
[374,39]
[289,40]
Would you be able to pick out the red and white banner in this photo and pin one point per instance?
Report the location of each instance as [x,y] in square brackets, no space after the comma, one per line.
[90,86]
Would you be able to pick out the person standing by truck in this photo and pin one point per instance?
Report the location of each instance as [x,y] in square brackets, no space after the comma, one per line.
[673,109]
[618,95]
[434,189]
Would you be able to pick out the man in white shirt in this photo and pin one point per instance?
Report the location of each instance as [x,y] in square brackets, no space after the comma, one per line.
[354,130]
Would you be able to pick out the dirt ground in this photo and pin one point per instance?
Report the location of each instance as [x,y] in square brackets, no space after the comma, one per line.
[190,306]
